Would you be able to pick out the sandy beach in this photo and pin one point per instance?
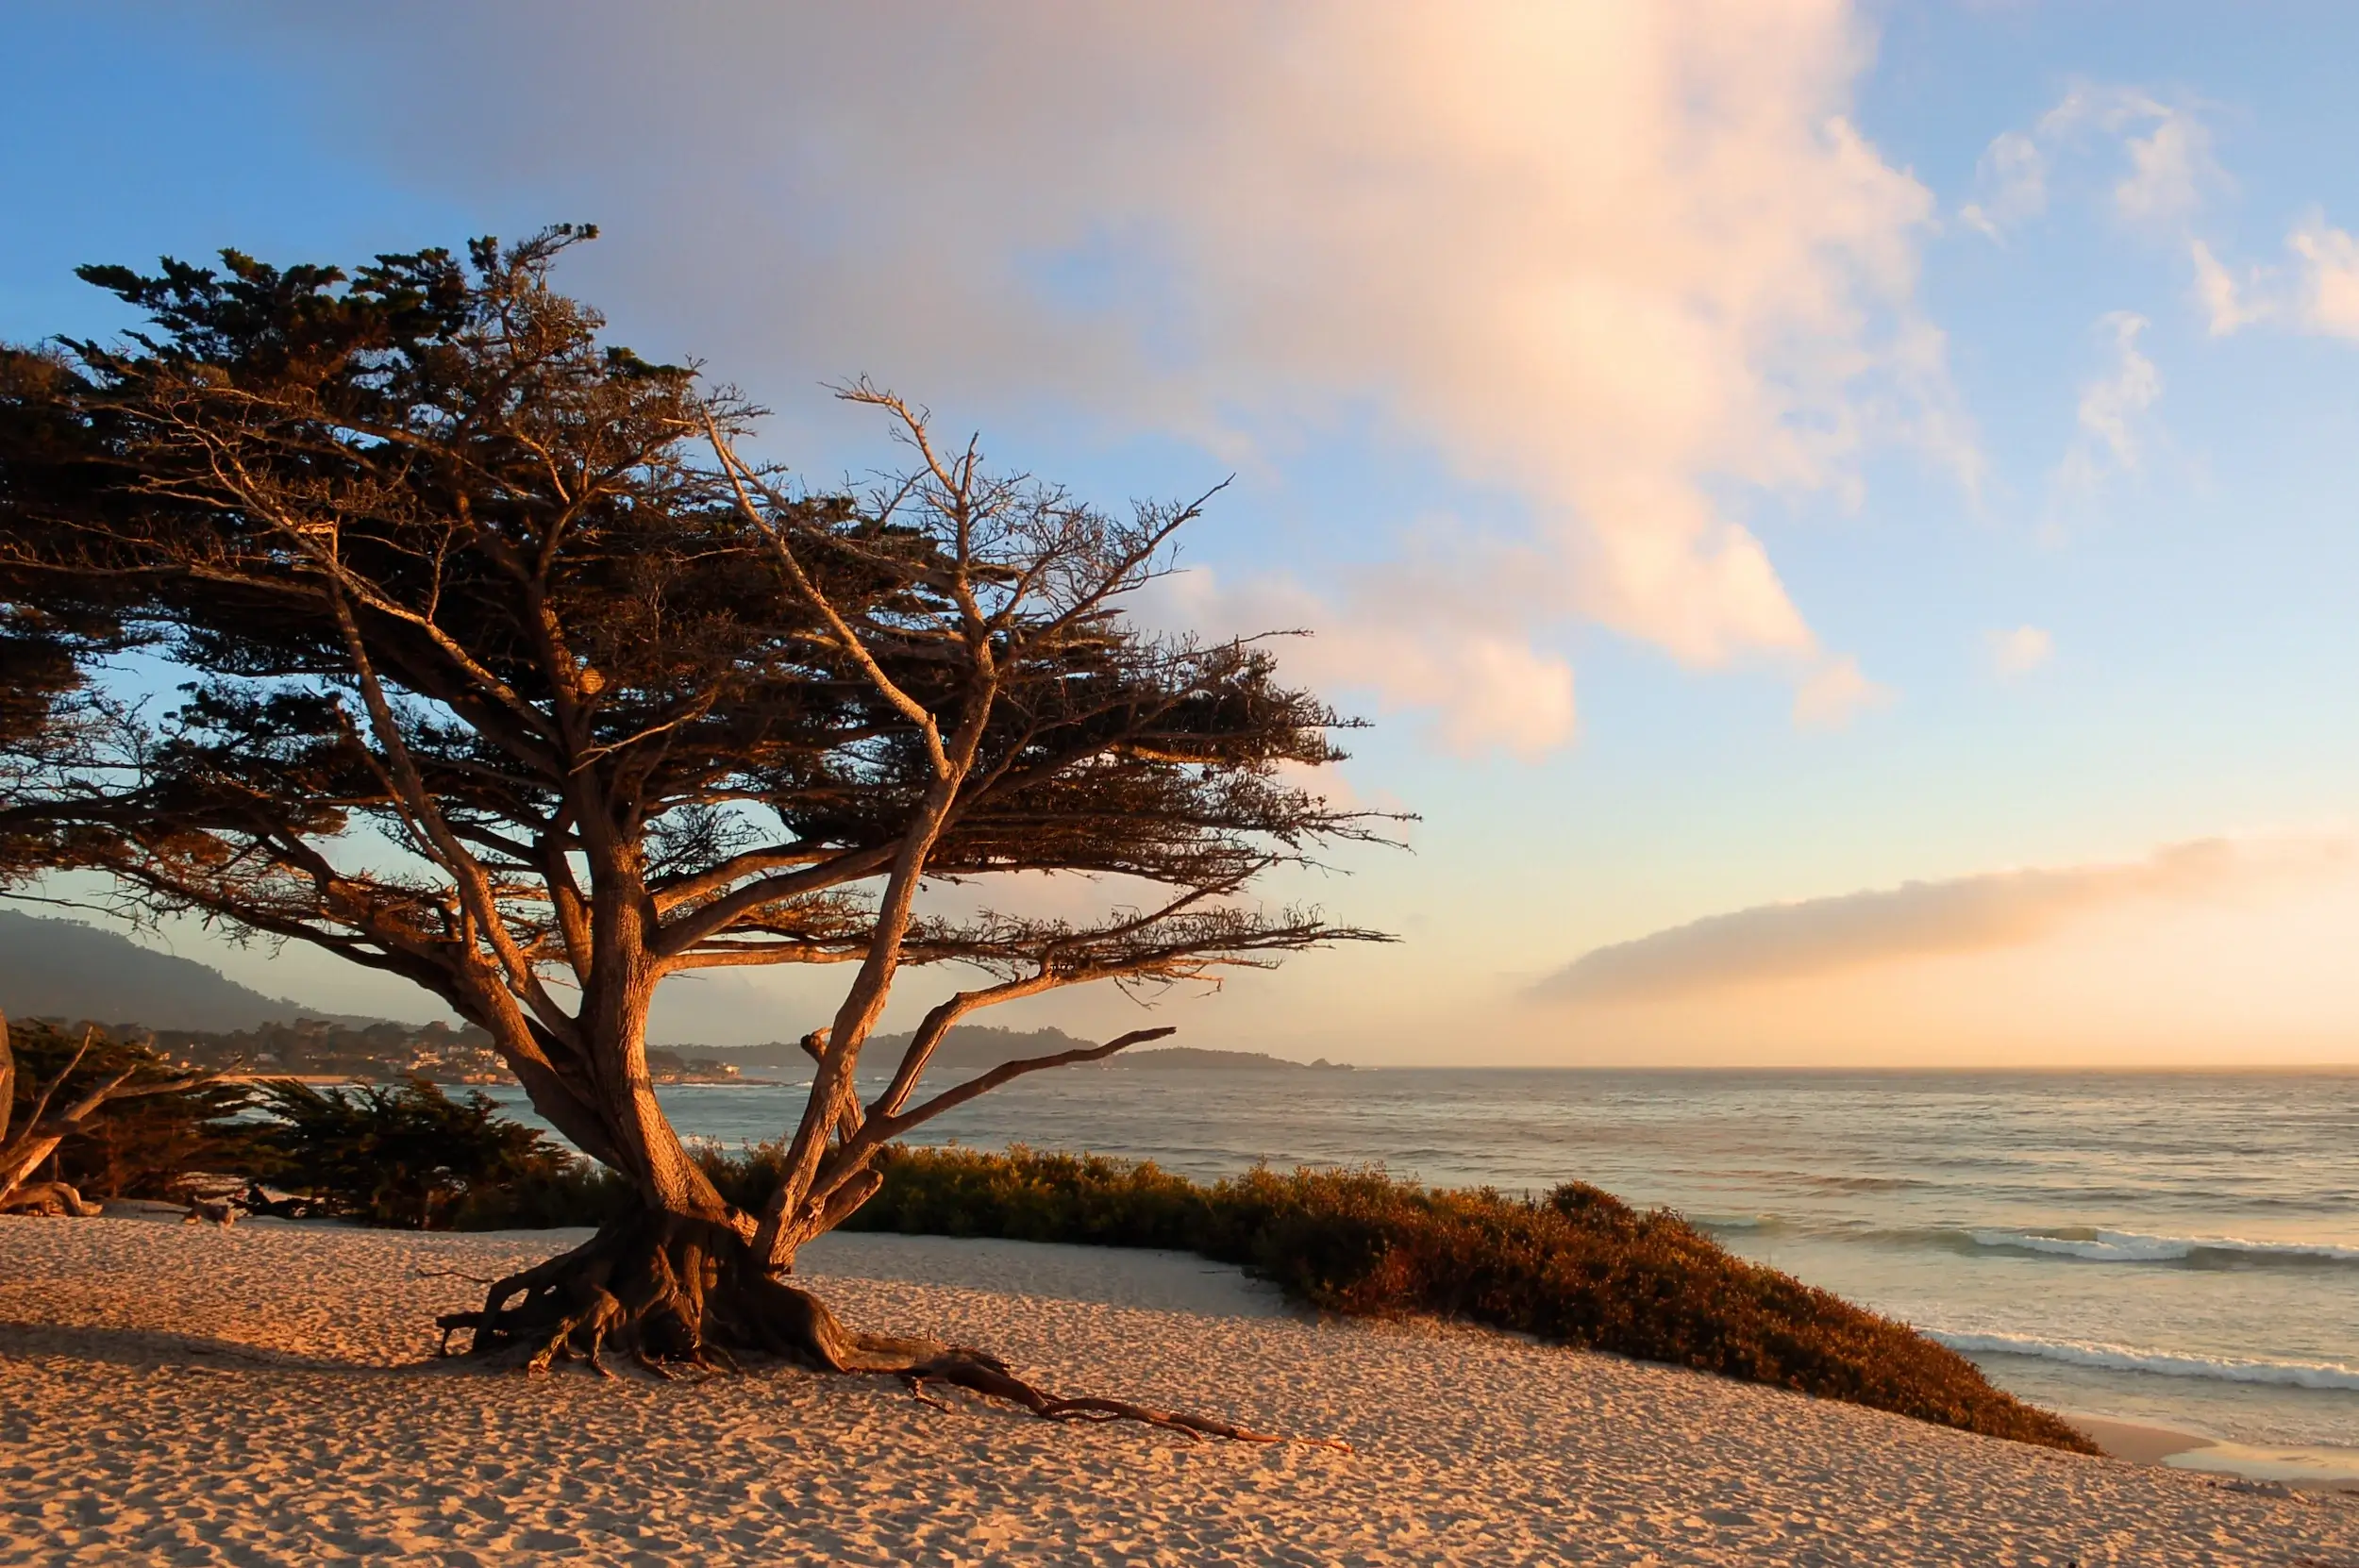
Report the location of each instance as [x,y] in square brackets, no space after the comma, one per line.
[266,1395]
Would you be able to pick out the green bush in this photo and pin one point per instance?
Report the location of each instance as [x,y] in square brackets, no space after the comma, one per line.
[1578,1267]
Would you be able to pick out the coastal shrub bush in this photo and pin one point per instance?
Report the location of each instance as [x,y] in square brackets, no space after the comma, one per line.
[1577,1267]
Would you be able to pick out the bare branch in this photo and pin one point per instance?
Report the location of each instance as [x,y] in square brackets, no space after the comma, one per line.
[889,1127]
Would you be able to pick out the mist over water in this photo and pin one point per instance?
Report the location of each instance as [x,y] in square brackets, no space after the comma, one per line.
[2176,1248]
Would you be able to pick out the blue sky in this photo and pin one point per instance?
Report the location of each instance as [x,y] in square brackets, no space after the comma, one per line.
[1745,458]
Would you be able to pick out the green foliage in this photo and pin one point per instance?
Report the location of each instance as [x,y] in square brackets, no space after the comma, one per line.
[410,1156]
[1578,1267]
[130,1148]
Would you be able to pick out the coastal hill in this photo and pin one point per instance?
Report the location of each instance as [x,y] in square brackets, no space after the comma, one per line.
[64,969]
[980,1047]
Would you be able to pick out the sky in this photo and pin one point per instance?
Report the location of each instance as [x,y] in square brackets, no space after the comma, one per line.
[1841,515]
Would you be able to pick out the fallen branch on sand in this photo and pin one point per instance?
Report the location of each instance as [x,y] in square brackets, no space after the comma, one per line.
[45,1128]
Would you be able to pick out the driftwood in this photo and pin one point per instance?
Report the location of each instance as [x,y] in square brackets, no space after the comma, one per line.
[23,1151]
[256,1199]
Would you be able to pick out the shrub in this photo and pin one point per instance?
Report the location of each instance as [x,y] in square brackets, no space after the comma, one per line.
[1578,1267]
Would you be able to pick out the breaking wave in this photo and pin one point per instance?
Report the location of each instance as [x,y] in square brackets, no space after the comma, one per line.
[2118,1358]
[2128,1246]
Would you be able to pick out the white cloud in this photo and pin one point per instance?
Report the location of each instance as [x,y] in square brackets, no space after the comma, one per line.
[2317,291]
[2167,166]
[2013,176]
[2230,303]
[2329,297]
[1834,693]
[1625,262]
[2112,411]
[1407,639]
[2004,909]
[2019,650]
[2170,167]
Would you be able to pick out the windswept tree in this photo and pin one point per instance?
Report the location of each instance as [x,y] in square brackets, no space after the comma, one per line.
[509,675]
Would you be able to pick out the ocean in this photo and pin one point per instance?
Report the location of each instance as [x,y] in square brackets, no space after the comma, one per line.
[2177,1249]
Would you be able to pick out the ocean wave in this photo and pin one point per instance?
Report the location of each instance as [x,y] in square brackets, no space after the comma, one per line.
[2128,1246]
[2121,1357]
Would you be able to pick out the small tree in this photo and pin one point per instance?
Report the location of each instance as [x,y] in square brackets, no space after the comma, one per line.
[514,678]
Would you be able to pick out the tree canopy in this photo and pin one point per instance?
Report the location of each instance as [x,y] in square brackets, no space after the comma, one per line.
[508,673]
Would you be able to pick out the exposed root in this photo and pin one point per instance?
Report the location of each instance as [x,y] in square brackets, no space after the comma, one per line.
[680,1294]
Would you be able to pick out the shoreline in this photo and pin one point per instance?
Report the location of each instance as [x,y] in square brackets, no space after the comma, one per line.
[266,1393]
[2134,1442]
[2303,1467]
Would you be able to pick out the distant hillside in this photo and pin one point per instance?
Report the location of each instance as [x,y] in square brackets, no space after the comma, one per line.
[980,1047]
[1185,1058]
[64,969]
[967,1048]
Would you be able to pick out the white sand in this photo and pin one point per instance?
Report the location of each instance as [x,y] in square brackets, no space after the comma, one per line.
[256,1395]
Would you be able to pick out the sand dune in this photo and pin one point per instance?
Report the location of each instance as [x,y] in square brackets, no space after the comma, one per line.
[260,1396]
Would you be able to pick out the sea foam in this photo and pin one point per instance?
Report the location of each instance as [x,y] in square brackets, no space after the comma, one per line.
[2129,1246]
[2122,1358]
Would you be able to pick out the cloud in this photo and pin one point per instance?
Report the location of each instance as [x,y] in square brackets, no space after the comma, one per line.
[2330,277]
[2230,303]
[2317,291]
[2017,651]
[2112,411]
[1407,637]
[2170,167]
[2012,175]
[1834,693]
[1630,264]
[2166,150]
[2006,909]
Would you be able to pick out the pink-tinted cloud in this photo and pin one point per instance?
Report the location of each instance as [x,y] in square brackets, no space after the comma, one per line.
[2316,292]
[1625,261]
[2019,650]
[2004,909]
[1835,694]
